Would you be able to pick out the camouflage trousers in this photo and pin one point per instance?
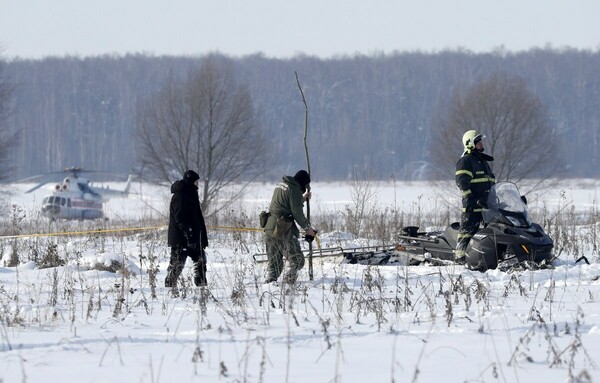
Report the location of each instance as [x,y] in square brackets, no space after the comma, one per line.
[469,224]
[177,262]
[287,247]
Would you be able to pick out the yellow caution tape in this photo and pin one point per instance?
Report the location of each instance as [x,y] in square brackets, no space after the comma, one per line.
[234,228]
[97,231]
[101,231]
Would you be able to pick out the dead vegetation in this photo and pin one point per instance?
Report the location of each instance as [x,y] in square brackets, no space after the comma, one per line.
[78,285]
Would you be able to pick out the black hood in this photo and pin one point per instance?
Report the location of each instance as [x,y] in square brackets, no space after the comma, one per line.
[181,185]
[190,176]
[303,179]
[177,187]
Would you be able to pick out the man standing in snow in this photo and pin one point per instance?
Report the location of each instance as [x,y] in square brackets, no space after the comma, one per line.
[474,179]
[187,231]
[281,233]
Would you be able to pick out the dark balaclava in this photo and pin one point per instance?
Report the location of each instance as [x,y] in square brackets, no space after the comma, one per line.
[303,179]
[476,141]
[190,177]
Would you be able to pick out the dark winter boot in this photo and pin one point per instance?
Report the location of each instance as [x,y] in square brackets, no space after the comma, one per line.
[172,276]
[290,277]
[176,264]
[200,273]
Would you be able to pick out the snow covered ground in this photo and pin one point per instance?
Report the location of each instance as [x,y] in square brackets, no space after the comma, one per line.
[104,315]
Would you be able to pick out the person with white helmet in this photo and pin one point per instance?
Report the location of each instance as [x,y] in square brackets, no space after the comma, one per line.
[474,178]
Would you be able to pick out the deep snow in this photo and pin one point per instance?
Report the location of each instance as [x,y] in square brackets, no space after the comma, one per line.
[352,323]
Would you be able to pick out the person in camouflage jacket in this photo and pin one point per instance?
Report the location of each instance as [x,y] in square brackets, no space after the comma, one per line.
[281,232]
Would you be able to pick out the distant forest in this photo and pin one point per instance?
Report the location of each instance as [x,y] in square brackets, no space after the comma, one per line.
[372,114]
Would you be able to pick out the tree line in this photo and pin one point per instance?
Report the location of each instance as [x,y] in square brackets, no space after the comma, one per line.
[379,112]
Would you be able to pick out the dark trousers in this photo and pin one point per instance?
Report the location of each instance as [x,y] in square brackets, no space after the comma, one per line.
[469,224]
[179,255]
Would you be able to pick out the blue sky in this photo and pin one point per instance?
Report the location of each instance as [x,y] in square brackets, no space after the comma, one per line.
[283,28]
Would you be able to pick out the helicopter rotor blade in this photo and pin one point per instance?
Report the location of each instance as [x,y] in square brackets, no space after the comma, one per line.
[37,187]
[74,172]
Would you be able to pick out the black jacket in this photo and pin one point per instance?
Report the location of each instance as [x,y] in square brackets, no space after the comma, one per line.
[185,216]
[474,178]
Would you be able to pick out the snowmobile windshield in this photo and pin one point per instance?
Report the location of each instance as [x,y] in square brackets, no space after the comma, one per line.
[505,205]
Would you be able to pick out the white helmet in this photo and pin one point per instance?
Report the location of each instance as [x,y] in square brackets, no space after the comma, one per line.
[471,138]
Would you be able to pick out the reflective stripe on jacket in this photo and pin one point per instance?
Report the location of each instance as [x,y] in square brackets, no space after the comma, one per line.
[474,178]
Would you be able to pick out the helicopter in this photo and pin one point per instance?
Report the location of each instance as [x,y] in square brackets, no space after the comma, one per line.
[75,197]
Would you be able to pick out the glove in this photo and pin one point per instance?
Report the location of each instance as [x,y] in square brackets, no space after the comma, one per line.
[188,238]
[309,238]
[469,203]
[482,204]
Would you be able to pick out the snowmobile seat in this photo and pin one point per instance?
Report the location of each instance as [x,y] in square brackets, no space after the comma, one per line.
[451,234]
[411,231]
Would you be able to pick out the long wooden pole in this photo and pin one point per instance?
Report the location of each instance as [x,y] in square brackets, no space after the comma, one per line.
[310,250]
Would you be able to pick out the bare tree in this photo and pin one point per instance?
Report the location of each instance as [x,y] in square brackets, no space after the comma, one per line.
[515,122]
[208,123]
[7,138]
[364,196]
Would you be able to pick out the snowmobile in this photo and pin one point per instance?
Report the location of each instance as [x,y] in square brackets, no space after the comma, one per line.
[507,240]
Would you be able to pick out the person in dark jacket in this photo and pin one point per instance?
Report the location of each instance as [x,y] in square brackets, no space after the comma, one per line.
[187,231]
[281,232]
[474,178]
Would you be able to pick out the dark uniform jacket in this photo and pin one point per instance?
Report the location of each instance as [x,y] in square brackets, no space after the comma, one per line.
[288,201]
[185,216]
[474,178]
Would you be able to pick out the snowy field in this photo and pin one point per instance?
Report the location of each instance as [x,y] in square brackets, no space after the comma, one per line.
[93,308]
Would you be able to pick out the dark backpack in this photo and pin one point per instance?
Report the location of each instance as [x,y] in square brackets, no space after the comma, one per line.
[263,217]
